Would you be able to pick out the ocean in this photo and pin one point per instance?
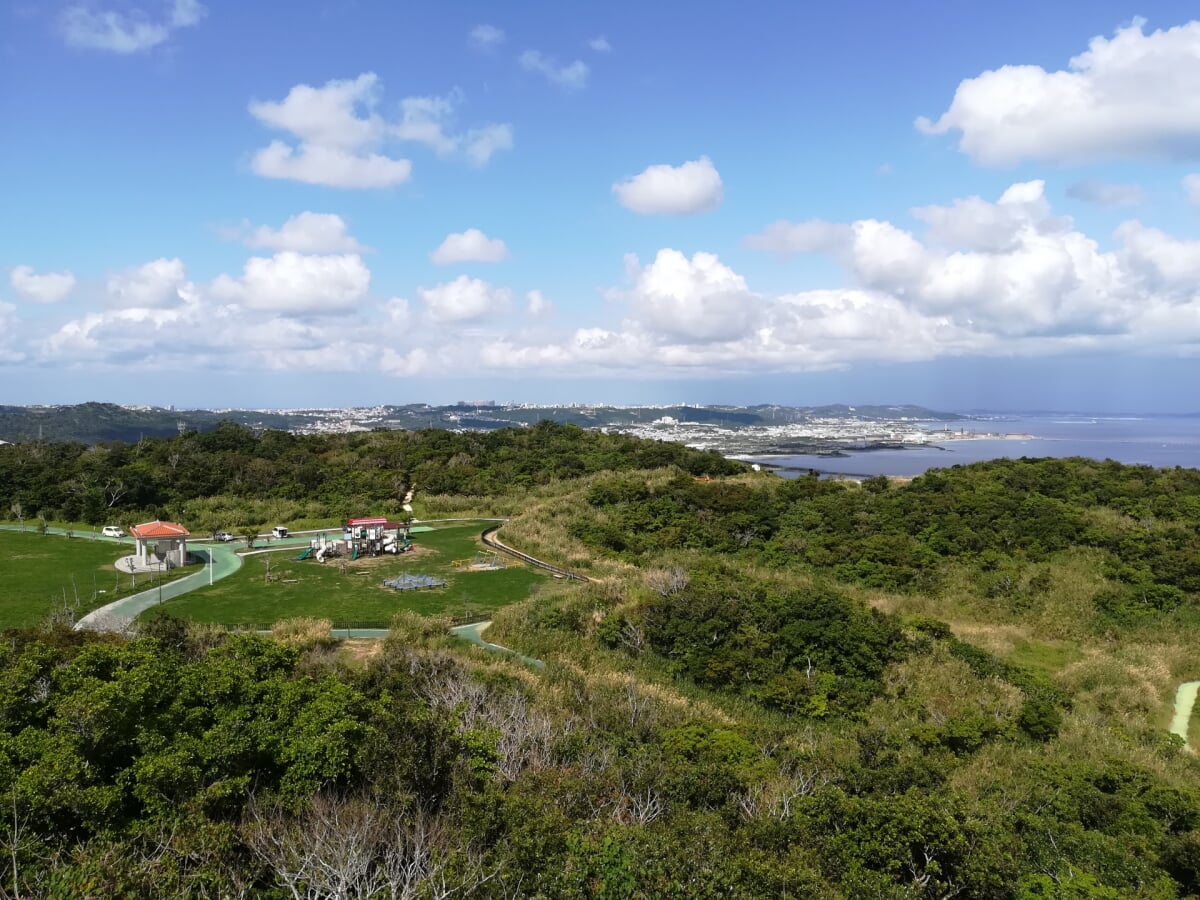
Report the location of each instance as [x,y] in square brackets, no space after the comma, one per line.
[1162,441]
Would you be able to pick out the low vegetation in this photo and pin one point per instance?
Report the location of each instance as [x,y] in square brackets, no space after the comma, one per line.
[955,687]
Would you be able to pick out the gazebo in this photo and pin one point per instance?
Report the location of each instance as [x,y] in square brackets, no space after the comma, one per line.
[169,543]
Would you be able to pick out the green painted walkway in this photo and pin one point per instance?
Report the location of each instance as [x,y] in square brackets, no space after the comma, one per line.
[219,562]
[474,634]
[1185,699]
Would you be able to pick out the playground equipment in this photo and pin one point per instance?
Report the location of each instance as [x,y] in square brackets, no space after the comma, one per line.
[407,582]
[372,536]
[486,560]
[305,555]
[361,537]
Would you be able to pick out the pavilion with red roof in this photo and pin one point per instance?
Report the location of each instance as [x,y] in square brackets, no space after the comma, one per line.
[161,542]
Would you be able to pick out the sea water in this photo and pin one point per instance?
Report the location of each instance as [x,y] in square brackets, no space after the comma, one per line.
[1162,441]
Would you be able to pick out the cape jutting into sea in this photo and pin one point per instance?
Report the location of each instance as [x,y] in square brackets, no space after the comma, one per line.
[1163,441]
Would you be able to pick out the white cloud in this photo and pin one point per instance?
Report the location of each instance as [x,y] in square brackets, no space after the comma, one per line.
[49,288]
[296,283]
[1164,263]
[126,33]
[698,299]
[537,305]
[156,283]
[471,245]
[974,278]
[481,144]
[330,166]
[571,76]
[485,37]
[425,120]
[600,44]
[1191,187]
[464,299]
[8,334]
[693,187]
[1134,95]
[787,238]
[307,232]
[340,134]
[1007,268]
[1100,193]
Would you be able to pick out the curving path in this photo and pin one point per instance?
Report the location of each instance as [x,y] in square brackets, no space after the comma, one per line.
[1185,699]
[219,562]
[222,561]
[474,634]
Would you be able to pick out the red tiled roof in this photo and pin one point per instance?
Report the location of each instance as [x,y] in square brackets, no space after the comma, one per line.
[159,529]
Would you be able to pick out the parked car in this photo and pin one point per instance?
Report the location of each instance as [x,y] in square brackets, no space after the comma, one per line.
[279,532]
[112,531]
[223,536]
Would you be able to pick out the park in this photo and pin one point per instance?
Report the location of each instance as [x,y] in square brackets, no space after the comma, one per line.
[56,576]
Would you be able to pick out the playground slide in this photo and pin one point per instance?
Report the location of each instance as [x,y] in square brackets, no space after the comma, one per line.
[305,555]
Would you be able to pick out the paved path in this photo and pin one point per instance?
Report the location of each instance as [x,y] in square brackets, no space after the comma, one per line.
[219,562]
[474,634]
[1185,699]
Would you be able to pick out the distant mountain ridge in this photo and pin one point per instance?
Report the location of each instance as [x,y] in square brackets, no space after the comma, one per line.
[95,422]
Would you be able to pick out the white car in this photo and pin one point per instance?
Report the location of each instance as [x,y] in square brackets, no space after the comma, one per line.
[279,532]
[223,536]
[112,531]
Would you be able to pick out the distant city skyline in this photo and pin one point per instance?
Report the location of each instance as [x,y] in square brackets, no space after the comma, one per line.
[959,206]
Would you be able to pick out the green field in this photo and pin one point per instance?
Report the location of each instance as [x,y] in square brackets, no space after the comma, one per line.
[309,588]
[37,571]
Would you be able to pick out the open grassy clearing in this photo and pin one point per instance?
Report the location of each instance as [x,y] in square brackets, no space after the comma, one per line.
[37,571]
[357,594]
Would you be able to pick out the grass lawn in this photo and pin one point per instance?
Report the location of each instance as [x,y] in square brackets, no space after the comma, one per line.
[310,588]
[38,568]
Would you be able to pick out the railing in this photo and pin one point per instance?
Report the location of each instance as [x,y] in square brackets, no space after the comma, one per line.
[487,538]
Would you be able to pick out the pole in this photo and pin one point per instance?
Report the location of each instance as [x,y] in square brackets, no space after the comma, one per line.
[160,565]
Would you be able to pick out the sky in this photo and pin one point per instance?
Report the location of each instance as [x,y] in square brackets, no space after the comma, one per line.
[966,206]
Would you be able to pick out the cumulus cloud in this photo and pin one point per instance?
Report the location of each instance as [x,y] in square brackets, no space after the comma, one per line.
[339,134]
[126,33]
[693,187]
[600,44]
[1134,95]
[485,37]
[49,288]
[307,232]
[8,334]
[464,299]
[1112,196]
[537,305]
[426,120]
[471,245]
[156,283]
[697,299]
[571,76]
[1007,268]
[481,144]
[970,277]
[296,283]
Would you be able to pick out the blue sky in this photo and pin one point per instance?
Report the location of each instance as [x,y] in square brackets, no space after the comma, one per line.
[962,205]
